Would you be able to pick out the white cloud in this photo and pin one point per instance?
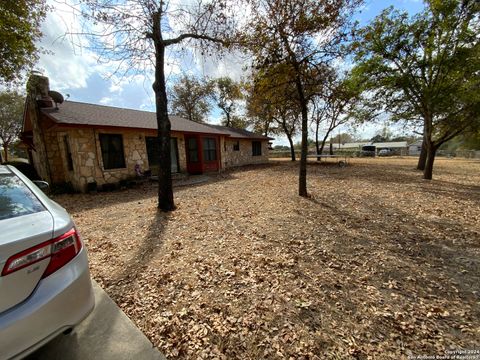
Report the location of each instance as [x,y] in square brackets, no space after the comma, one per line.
[106,100]
[230,64]
[66,63]
[73,67]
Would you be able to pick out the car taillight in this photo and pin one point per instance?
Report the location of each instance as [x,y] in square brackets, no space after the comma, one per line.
[60,251]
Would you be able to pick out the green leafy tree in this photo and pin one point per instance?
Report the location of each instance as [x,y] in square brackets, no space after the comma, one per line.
[301,35]
[424,68]
[191,98]
[237,122]
[342,138]
[227,93]
[135,34]
[11,118]
[20,22]
[259,111]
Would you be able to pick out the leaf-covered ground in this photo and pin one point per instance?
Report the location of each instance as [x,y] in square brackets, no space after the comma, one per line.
[377,264]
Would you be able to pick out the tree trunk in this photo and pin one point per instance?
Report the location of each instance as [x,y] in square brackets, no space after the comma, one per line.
[165,189]
[5,149]
[430,149]
[292,149]
[302,177]
[266,128]
[324,141]
[317,145]
[428,171]
[228,118]
[423,156]
[288,133]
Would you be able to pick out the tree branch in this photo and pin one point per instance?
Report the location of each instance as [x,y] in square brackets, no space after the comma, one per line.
[180,38]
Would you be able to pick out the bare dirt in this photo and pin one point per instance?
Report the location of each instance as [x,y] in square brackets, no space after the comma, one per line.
[377,264]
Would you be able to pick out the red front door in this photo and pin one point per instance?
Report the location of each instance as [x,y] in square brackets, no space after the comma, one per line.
[202,153]
[194,155]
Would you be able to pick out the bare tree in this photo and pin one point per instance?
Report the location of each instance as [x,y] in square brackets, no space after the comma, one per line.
[288,120]
[135,34]
[333,108]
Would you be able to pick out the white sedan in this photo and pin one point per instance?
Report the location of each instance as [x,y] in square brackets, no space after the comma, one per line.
[45,286]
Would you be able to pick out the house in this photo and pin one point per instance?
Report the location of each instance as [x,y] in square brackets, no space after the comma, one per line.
[415,148]
[243,147]
[81,143]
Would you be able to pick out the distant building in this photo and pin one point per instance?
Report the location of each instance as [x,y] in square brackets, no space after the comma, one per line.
[348,146]
[415,148]
[398,147]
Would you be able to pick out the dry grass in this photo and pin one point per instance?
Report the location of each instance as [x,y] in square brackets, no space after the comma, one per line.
[378,263]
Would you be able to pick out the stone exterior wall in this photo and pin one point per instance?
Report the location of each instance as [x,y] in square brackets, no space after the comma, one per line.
[39,153]
[87,159]
[182,154]
[244,155]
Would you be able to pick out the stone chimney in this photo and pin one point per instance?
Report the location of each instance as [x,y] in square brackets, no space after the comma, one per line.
[38,86]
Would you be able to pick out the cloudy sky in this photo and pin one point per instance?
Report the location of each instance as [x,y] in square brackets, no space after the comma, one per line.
[75,70]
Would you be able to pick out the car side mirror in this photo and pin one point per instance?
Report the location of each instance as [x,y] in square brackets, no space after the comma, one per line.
[42,185]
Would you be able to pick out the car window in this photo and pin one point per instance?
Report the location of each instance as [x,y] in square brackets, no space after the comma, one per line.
[16,199]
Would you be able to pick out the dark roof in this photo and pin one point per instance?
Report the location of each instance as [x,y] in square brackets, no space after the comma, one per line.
[72,112]
[240,133]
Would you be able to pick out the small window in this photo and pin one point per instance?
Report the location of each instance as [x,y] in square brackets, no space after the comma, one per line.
[192,150]
[209,149]
[236,146]
[256,148]
[68,153]
[112,151]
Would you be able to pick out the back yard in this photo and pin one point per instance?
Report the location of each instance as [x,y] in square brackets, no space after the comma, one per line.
[377,264]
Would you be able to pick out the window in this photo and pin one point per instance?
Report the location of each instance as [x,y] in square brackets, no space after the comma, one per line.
[256,148]
[209,149]
[192,150]
[112,151]
[68,153]
[236,146]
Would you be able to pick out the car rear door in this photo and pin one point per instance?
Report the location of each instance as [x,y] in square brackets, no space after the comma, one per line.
[25,224]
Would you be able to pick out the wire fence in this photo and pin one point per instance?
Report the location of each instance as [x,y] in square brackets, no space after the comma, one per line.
[467,154]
